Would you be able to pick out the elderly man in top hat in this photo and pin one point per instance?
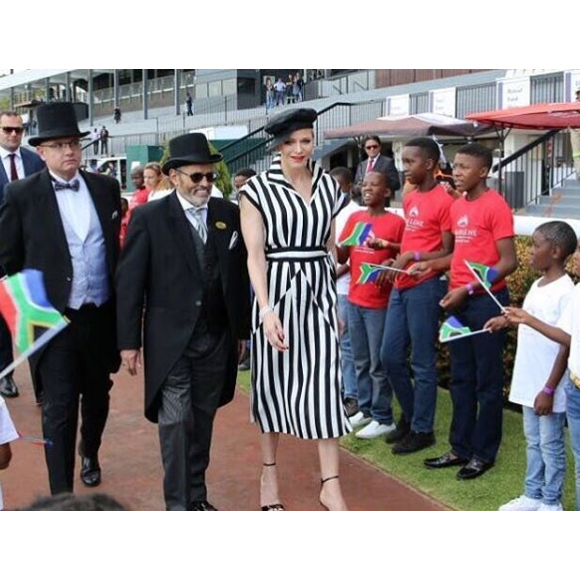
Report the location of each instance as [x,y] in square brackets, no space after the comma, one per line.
[65,223]
[184,267]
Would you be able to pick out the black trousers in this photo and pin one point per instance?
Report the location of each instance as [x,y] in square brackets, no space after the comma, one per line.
[6,356]
[190,398]
[75,371]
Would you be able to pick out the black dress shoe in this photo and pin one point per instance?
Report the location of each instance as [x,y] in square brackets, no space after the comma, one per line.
[202,506]
[413,442]
[402,430]
[91,471]
[447,460]
[474,469]
[8,388]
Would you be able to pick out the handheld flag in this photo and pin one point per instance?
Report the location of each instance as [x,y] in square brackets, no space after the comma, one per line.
[357,236]
[452,329]
[32,320]
[370,272]
[487,276]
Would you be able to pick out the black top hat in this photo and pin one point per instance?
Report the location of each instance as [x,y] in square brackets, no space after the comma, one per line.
[291,121]
[189,149]
[56,120]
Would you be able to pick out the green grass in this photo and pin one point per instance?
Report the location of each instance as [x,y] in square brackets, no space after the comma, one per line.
[502,483]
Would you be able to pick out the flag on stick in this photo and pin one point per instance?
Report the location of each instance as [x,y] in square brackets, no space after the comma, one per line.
[357,236]
[370,272]
[452,329]
[32,320]
[486,275]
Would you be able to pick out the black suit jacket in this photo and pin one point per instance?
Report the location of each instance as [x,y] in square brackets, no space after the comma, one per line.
[32,235]
[382,165]
[32,164]
[159,276]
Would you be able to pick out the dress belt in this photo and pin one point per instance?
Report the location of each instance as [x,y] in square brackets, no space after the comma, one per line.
[297,254]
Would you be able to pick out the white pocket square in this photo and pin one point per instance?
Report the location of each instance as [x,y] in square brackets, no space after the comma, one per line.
[234,241]
[115,215]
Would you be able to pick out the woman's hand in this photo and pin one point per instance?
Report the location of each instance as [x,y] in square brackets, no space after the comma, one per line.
[516,316]
[419,269]
[274,332]
[543,404]
[497,323]
[454,299]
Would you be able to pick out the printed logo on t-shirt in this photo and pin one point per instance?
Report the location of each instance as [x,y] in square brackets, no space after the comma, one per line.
[413,223]
[462,233]
[463,222]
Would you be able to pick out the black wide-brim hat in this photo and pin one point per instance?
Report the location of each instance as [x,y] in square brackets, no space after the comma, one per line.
[55,121]
[287,122]
[190,149]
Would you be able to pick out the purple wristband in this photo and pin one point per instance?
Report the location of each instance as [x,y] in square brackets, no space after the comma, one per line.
[549,390]
[417,256]
[470,289]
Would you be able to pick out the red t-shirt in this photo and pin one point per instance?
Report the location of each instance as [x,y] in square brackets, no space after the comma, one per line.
[139,197]
[387,227]
[477,226]
[427,216]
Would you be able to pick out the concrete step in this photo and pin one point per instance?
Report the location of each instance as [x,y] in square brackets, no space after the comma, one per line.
[557,210]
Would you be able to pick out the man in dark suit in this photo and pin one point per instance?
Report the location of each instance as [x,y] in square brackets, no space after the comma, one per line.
[183,275]
[66,223]
[17,163]
[378,163]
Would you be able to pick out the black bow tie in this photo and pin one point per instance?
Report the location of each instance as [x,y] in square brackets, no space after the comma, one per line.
[74,185]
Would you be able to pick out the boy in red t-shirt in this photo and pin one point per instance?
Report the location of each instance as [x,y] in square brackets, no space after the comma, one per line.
[484,233]
[368,305]
[413,317]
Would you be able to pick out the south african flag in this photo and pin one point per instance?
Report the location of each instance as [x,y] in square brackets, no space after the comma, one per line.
[30,317]
[453,329]
[369,273]
[486,274]
[357,235]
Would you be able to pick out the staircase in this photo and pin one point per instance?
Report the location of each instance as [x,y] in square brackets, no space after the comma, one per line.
[563,202]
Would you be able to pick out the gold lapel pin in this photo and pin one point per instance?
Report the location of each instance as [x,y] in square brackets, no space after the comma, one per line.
[221,226]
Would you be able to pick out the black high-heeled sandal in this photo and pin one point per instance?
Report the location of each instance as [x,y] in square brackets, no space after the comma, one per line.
[322,482]
[275,507]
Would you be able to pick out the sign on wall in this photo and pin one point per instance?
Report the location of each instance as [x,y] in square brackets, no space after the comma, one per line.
[398,106]
[443,101]
[514,93]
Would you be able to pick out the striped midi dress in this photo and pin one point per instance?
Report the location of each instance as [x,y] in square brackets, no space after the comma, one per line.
[298,392]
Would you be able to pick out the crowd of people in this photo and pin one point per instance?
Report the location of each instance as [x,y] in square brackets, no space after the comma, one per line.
[330,344]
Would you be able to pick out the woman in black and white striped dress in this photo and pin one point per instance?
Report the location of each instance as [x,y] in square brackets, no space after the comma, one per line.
[287,221]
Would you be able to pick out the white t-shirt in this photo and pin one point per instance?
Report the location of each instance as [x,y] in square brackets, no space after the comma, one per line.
[536,354]
[570,323]
[7,433]
[343,283]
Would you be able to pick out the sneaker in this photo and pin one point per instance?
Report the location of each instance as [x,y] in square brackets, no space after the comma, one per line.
[375,429]
[403,428]
[544,507]
[413,442]
[350,407]
[359,420]
[522,504]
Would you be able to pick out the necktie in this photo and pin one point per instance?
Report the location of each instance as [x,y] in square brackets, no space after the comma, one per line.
[371,165]
[13,170]
[198,215]
[74,185]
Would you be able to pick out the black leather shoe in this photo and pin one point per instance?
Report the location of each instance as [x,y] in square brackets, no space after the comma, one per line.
[8,388]
[402,430]
[474,469]
[413,442]
[447,460]
[91,471]
[202,506]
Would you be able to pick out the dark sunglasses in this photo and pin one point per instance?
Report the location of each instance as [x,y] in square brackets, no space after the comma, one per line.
[9,130]
[372,147]
[198,176]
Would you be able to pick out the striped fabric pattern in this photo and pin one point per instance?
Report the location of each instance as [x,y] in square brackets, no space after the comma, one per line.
[298,392]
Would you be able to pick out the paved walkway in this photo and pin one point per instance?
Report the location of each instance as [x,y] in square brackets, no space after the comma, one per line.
[132,467]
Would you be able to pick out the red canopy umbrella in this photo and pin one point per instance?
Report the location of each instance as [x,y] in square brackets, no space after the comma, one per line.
[543,116]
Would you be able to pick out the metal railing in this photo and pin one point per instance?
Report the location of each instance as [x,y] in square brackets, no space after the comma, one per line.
[535,170]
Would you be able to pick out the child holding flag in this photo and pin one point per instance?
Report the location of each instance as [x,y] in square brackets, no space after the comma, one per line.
[413,317]
[368,299]
[482,224]
[567,333]
[539,370]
